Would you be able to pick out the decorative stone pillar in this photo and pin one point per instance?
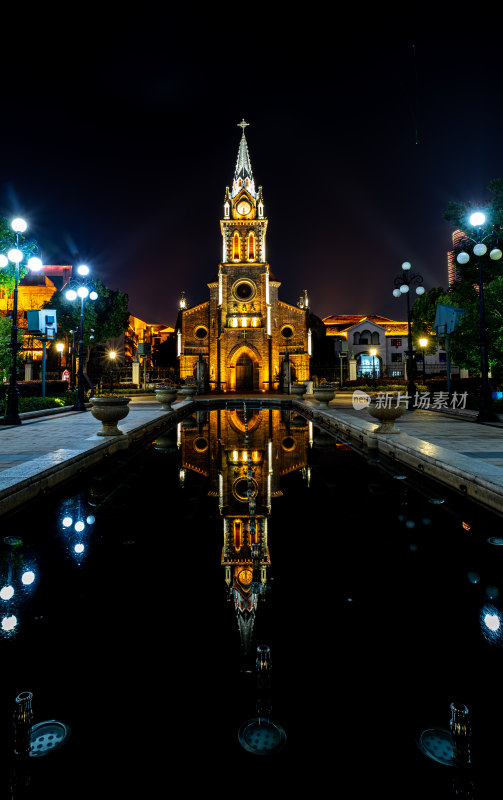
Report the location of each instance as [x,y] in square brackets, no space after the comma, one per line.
[28,369]
[352,369]
[136,371]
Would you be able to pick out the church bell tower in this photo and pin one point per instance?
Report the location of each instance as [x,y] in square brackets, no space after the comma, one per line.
[244,333]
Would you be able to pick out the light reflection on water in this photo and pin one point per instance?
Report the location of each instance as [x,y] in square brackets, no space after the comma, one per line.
[237,529]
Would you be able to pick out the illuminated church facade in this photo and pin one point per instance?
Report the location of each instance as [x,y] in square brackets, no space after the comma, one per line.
[243,333]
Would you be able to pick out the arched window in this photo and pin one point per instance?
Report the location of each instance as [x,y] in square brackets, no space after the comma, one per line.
[374,338]
[235,247]
[251,247]
[356,337]
[237,534]
[365,337]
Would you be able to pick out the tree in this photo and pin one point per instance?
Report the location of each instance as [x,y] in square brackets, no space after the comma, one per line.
[104,318]
[463,342]
[8,240]
[5,348]
[423,317]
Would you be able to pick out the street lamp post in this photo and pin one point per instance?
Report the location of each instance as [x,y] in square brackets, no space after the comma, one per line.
[486,412]
[59,347]
[424,343]
[112,354]
[16,255]
[72,362]
[373,353]
[403,283]
[81,288]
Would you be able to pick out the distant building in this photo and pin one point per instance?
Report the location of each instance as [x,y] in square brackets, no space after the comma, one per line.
[452,269]
[35,289]
[387,337]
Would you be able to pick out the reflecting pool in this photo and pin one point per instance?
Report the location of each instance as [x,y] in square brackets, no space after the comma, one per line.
[133,601]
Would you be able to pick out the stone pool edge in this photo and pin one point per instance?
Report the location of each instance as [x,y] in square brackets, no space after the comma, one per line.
[485,486]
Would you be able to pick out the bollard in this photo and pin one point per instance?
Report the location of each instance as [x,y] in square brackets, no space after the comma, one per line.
[461,733]
[23,720]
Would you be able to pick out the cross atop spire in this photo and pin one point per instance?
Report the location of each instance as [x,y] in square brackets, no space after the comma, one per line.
[243,175]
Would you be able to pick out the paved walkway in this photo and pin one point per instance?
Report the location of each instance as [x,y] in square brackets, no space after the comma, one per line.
[461,434]
[47,449]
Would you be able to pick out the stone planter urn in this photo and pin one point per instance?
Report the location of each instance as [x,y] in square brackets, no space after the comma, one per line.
[298,389]
[187,391]
[109,410]
[324,394]
[166,395]
[386,416]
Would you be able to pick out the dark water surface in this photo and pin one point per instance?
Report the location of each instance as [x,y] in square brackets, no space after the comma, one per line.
[373,606]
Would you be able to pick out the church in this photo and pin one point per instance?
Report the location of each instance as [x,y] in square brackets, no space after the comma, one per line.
[243,336]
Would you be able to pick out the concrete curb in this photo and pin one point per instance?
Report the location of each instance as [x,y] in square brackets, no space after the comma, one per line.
[457,471]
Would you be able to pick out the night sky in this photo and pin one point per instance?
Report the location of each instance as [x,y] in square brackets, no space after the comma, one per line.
[120,136]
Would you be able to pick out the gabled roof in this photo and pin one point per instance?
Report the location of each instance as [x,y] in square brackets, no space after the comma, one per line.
[339,324]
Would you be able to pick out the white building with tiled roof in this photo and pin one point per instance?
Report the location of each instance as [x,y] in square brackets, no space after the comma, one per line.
[378,345]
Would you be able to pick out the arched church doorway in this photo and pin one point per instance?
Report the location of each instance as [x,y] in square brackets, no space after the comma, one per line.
[244,373]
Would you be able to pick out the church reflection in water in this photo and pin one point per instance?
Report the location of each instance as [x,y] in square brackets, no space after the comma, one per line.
[245,452]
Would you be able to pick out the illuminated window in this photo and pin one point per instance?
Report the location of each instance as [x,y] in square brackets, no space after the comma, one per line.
[255,322]
[251,247]
[235,247]
[234,322]
[244,322]
[237,534]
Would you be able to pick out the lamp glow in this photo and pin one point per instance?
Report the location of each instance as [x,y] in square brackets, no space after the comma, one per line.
[82,291]
[492,621]
[67,521]
[3,261]
[28,577]
[9,623]
[6,592]
[478,218]
[480,249]
[406,265]
[35,263]
[396,293]
[93,295]
[79,526]
[83,270]
[71,294]
[79,548]
[462,258]
[404,288]
[495,254]
[60,347]
[419,289]
[15,255]
[19,225]
[423,342]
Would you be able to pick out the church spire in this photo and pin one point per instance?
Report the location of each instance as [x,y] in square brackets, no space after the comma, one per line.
[243,176]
